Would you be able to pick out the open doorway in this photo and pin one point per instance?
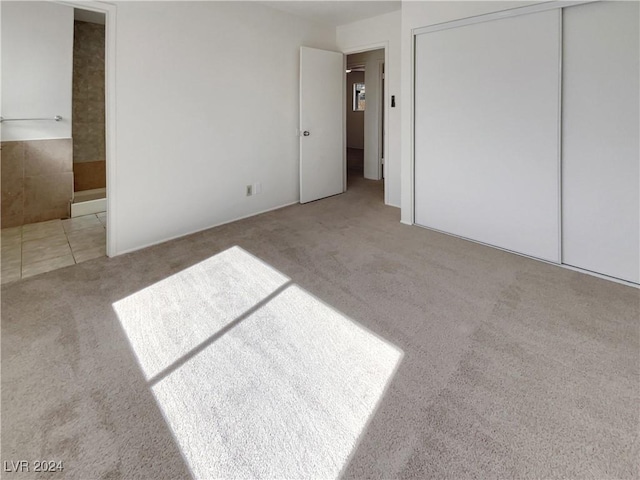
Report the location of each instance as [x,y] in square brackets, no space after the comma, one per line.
[89,120]
[43,116]
[365,116]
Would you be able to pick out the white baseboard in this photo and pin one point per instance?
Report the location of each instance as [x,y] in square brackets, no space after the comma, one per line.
[203,229]
[561,265]
[88,207]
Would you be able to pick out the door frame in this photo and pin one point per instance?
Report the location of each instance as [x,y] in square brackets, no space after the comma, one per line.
[109,11]
[385,117]
[383,126]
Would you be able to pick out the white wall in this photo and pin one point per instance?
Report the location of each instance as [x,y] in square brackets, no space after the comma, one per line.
[37,64]
[355,120]
[416,14]
[365,35]
[207,102]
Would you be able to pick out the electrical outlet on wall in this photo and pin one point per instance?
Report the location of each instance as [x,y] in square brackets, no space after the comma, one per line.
[249,190]
[257,188]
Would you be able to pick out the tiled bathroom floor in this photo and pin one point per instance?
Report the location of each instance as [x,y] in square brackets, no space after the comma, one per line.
[41,247]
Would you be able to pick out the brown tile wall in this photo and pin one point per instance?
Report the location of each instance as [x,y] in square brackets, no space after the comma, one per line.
[37,181]
[89,175]
[88,119]
[12,184]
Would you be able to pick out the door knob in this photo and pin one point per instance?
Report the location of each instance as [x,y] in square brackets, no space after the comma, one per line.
[306,133]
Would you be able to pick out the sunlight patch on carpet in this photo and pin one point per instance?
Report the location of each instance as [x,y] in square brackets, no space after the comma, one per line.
[170,318]
[283,392]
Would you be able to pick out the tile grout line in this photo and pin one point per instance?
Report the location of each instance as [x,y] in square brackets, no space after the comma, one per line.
[69,243]
[73,253]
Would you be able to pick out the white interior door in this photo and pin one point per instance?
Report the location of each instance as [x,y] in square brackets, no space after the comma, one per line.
[322,147]
[600,185]
[487,132]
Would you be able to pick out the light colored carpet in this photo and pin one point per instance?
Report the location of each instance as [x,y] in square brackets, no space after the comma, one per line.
[244,364]
[321,340]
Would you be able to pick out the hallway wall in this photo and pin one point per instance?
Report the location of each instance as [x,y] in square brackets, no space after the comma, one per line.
[355,120]
[372,60]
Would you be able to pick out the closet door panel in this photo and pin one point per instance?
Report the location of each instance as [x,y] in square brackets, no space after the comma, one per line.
[600,125]
[487,100]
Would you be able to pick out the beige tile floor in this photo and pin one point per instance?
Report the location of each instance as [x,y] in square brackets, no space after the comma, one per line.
[41,247]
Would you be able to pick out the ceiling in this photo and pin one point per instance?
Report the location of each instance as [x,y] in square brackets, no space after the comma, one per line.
[330,13]
[333,13]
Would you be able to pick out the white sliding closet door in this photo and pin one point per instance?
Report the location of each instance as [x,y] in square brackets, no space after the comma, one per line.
[487,132]
[601,155]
